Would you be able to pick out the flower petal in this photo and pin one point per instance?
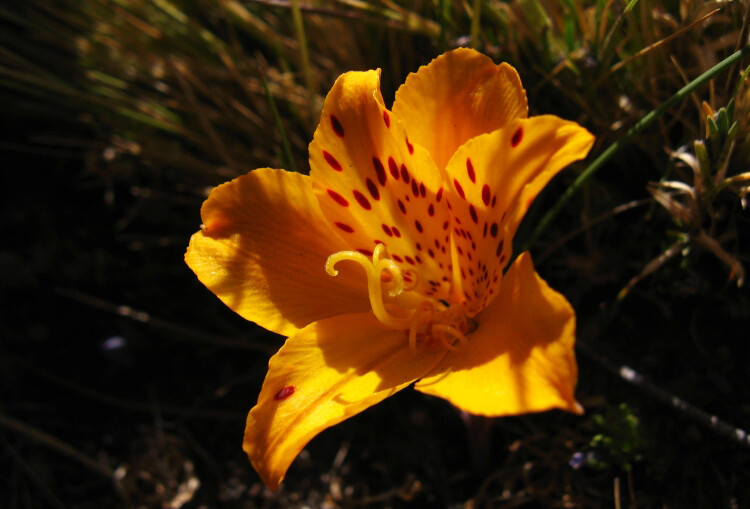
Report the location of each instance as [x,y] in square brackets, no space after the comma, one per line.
[262,250]
[375,186]
[520,359]
[493,179]
[326,373]
[459,95]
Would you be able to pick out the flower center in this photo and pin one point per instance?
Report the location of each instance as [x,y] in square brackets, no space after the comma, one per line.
[429,322]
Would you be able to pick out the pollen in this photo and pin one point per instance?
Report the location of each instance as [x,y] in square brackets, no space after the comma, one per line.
[398,304]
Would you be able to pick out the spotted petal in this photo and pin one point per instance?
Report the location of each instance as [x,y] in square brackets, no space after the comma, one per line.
[375,186]
[260,231]
[459,95]
[327,372]
[520,359]
[493,178]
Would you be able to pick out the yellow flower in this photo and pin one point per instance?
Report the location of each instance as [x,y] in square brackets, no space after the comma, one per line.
[426,199]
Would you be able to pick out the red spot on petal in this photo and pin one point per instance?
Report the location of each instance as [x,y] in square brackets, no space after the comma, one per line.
[419,246]
[387,119]
[486,194]
[473,214]
[439,195]
[429,252]
[470,170]
[284,393]
[332,162]
[337,127]
[409,260]
[345,227]
[445,225]
[419,226]
[362,200]
[396,231]
[387,230]
[373,189]
[494,200]
[379,170]
[415,188]
[422,190]
[338,198]
[431,210]
[397,258]
[365,252]
[499,247]
[493,230]
[393,167]
[459,189]
[517,137]
[401,206]
[484,230]
[405,174]
[409,146]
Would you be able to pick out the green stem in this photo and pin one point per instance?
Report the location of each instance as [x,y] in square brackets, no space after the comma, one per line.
[475,22]
[299,28]
[288,159]
[642,124]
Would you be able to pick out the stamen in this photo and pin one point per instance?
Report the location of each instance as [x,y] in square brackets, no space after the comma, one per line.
[426,320]
[345,255]
[419,315]
[439,328]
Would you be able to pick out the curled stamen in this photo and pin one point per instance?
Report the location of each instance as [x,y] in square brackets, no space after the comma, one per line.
[428,321]
[345,255]
[396,277]
[439,328]
[379,253]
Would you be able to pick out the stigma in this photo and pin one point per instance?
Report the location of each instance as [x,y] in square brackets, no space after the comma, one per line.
[397,303]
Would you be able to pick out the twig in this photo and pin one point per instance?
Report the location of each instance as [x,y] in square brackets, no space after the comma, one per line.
[159,323]
[653,265]
[56,444]
[617,210]
[655,45]
[135,406]
[31,474]
[628,374]
[180,72]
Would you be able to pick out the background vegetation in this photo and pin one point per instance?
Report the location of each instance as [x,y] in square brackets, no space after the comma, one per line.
[124,383]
